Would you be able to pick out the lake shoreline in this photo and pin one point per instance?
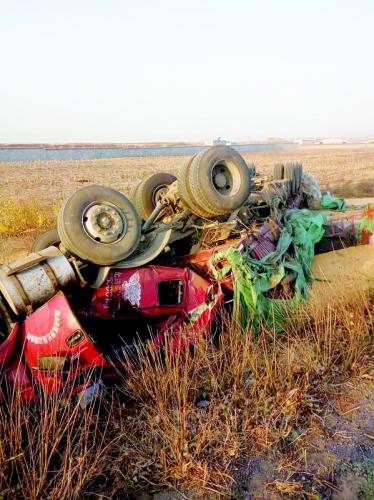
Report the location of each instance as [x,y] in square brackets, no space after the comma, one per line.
[87,152]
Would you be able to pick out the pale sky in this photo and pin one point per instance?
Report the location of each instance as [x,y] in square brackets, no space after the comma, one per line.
[123,71]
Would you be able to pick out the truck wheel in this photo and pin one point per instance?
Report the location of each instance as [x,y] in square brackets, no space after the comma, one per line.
[219,180]
[147,193]
[185,192]
[299,175]
[278,172]
[252,169]
[99,225]
[47,239]
[293,172]
[290,174]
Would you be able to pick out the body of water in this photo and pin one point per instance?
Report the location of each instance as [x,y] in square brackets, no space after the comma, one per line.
[27,154]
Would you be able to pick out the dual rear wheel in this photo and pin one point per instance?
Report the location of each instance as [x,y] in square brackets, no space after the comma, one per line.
[214,182]
[289,171]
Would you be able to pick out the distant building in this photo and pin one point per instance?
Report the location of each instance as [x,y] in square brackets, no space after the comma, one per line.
[303,142]
[333,140]
[322,141]
[219,140]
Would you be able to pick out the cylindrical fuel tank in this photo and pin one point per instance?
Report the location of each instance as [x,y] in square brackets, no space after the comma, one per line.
[29,282]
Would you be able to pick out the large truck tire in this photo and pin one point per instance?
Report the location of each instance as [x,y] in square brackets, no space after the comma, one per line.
[299,175]
[290,174]
[147,193]
[252,169]
[278,172]
[293,172]
[185,192]
[217,181]
[47,239]
[99,225]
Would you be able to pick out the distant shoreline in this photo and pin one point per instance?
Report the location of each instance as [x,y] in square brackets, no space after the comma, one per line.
[88,152]
[129,145]
[96,151]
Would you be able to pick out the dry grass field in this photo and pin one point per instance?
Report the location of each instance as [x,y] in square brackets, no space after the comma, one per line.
[285,416]
[347,170]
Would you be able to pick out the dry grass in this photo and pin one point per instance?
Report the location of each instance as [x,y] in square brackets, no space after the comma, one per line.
[50,449]
[20,222]
[261,394]
[18,218]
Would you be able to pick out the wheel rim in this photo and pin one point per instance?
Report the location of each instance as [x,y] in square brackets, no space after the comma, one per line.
[104,223]
[158,194]
[222,179]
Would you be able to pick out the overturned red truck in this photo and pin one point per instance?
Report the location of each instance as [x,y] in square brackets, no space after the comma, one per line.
[117,273]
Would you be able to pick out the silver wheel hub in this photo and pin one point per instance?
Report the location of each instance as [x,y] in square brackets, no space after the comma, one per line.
[220,180]
[104,223]
[158,194]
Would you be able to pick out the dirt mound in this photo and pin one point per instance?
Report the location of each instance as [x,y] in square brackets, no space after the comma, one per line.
[346,271]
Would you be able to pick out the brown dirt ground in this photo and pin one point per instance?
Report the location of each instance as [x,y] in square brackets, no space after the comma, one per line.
[344,435]
[333,271]
[348,170]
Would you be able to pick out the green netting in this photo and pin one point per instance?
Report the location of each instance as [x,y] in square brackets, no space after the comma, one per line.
[254,278]
[331,203]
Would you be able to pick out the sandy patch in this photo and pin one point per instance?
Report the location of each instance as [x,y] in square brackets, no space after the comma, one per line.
[343,272]
[357,202]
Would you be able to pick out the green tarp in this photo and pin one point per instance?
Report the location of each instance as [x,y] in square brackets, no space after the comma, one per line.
[253,279]
[330,203]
